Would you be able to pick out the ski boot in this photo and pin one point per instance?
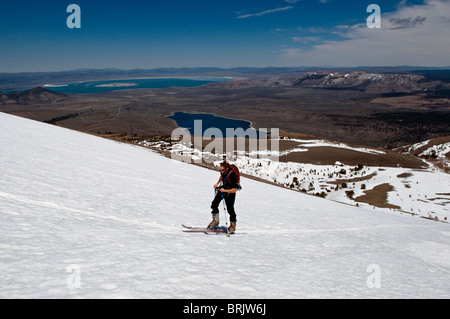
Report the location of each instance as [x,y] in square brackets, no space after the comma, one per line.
[232,228]
[215,222]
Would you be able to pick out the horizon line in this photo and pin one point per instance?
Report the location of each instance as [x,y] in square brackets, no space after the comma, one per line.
[111,69]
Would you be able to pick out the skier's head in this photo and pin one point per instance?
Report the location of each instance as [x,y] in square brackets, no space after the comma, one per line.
[224,167]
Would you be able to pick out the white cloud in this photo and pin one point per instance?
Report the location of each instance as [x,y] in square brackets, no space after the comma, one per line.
[258,14]
[413,35]
[308,39]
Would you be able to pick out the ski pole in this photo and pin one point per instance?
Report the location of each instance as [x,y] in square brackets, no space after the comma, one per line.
[225,210]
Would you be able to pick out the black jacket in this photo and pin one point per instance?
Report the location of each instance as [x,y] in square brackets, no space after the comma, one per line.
[229,180]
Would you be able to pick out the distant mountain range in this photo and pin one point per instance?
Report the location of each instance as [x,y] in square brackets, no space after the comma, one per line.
[390,83]
[15,81]
[27,80]
[365,81]
[372,82]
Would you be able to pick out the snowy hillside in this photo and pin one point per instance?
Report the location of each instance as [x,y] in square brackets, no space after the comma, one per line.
[84,217]
[436,151]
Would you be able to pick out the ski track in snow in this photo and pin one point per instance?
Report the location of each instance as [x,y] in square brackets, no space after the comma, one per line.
[114,212]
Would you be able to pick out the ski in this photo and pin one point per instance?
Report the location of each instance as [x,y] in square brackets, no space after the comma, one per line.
[224,233]
[190,229]
[209,231]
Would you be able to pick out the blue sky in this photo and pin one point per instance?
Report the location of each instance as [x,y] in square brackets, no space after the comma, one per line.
[151,34]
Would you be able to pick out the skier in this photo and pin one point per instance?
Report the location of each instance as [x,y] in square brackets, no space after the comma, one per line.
[226,192]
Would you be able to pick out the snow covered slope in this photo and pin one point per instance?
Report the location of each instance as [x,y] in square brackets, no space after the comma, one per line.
[85,217]
[422,192]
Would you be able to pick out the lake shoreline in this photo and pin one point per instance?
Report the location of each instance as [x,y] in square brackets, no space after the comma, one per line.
[249,124]
[102,86]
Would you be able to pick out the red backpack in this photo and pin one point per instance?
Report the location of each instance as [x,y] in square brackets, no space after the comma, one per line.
[235,169]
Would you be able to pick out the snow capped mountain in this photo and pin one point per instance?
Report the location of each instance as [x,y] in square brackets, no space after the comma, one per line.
[85,217]
[368,82]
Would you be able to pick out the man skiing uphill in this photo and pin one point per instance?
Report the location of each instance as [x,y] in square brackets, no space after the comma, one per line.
[230,185]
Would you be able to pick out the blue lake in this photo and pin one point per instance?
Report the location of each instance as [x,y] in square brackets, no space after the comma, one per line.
[114,85]
[187,121]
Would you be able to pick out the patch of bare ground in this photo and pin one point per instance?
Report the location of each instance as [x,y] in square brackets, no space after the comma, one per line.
[416,101]
[353,180]
[443,201]
[377,196]
[330,155]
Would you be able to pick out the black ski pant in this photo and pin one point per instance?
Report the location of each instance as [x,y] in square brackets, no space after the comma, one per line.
[230,198]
